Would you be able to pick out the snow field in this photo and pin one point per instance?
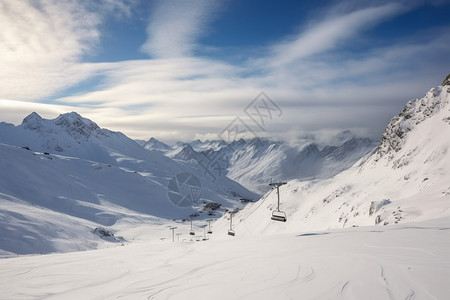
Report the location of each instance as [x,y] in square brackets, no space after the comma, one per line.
[410,261]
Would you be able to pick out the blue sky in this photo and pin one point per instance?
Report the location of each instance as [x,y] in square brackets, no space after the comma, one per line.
[181,70]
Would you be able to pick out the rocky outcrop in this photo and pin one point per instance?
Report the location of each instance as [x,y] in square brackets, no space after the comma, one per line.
[32,122]
[76,125]
[446,80]
[414,113]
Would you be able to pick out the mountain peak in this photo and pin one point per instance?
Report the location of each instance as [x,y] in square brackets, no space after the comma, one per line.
[257,142]
[73,122]
[33,115]
[33,121]
[186,153]
[155,144]
[71,117]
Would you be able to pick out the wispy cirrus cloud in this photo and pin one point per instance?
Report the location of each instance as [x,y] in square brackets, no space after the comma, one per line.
[43,42]
[330,32]
[321,85]
[40,41]
[175,27]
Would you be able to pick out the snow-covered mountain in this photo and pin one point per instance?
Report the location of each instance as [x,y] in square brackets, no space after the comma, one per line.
[407,179]
[71,135]
[185,153]
[256,162]
[154,144]
[215,145]
[70,169]
[260,161]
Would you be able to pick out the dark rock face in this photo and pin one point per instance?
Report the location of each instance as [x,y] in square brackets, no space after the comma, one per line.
[446,80]
[414,113]
[32,121]
[74,123]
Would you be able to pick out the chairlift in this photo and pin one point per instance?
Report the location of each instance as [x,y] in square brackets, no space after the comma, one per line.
[191,232]
[231,231]
[278,215]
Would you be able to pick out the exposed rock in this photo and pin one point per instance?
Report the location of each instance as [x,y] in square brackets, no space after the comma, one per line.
[74,123]
[414,113]
[446,80]
[375,206]
[33,121]
[107,235]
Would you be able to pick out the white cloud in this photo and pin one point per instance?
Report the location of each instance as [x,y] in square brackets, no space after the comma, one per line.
[178,97]
[13,111]
[176,25]
[42,43]
[118,8]
[329,33]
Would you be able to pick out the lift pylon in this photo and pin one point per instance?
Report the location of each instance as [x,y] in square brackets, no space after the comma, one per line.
[209,226]
[231,231]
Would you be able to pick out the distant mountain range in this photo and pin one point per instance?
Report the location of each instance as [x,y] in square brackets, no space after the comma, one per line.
[254,163]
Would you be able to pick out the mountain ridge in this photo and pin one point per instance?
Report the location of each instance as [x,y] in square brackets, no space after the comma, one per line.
[256,161]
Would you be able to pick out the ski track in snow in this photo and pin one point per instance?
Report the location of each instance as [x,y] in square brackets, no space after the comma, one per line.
[388,263]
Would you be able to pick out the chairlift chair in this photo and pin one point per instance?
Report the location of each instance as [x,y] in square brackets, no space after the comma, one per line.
[279,215]
[192,232]
[209,231]
[231,232]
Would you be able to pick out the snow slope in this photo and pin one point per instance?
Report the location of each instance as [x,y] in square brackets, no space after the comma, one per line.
[407,179]
[392,262]
[90,177]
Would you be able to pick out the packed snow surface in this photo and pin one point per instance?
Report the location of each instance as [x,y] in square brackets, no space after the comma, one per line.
[410,261]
